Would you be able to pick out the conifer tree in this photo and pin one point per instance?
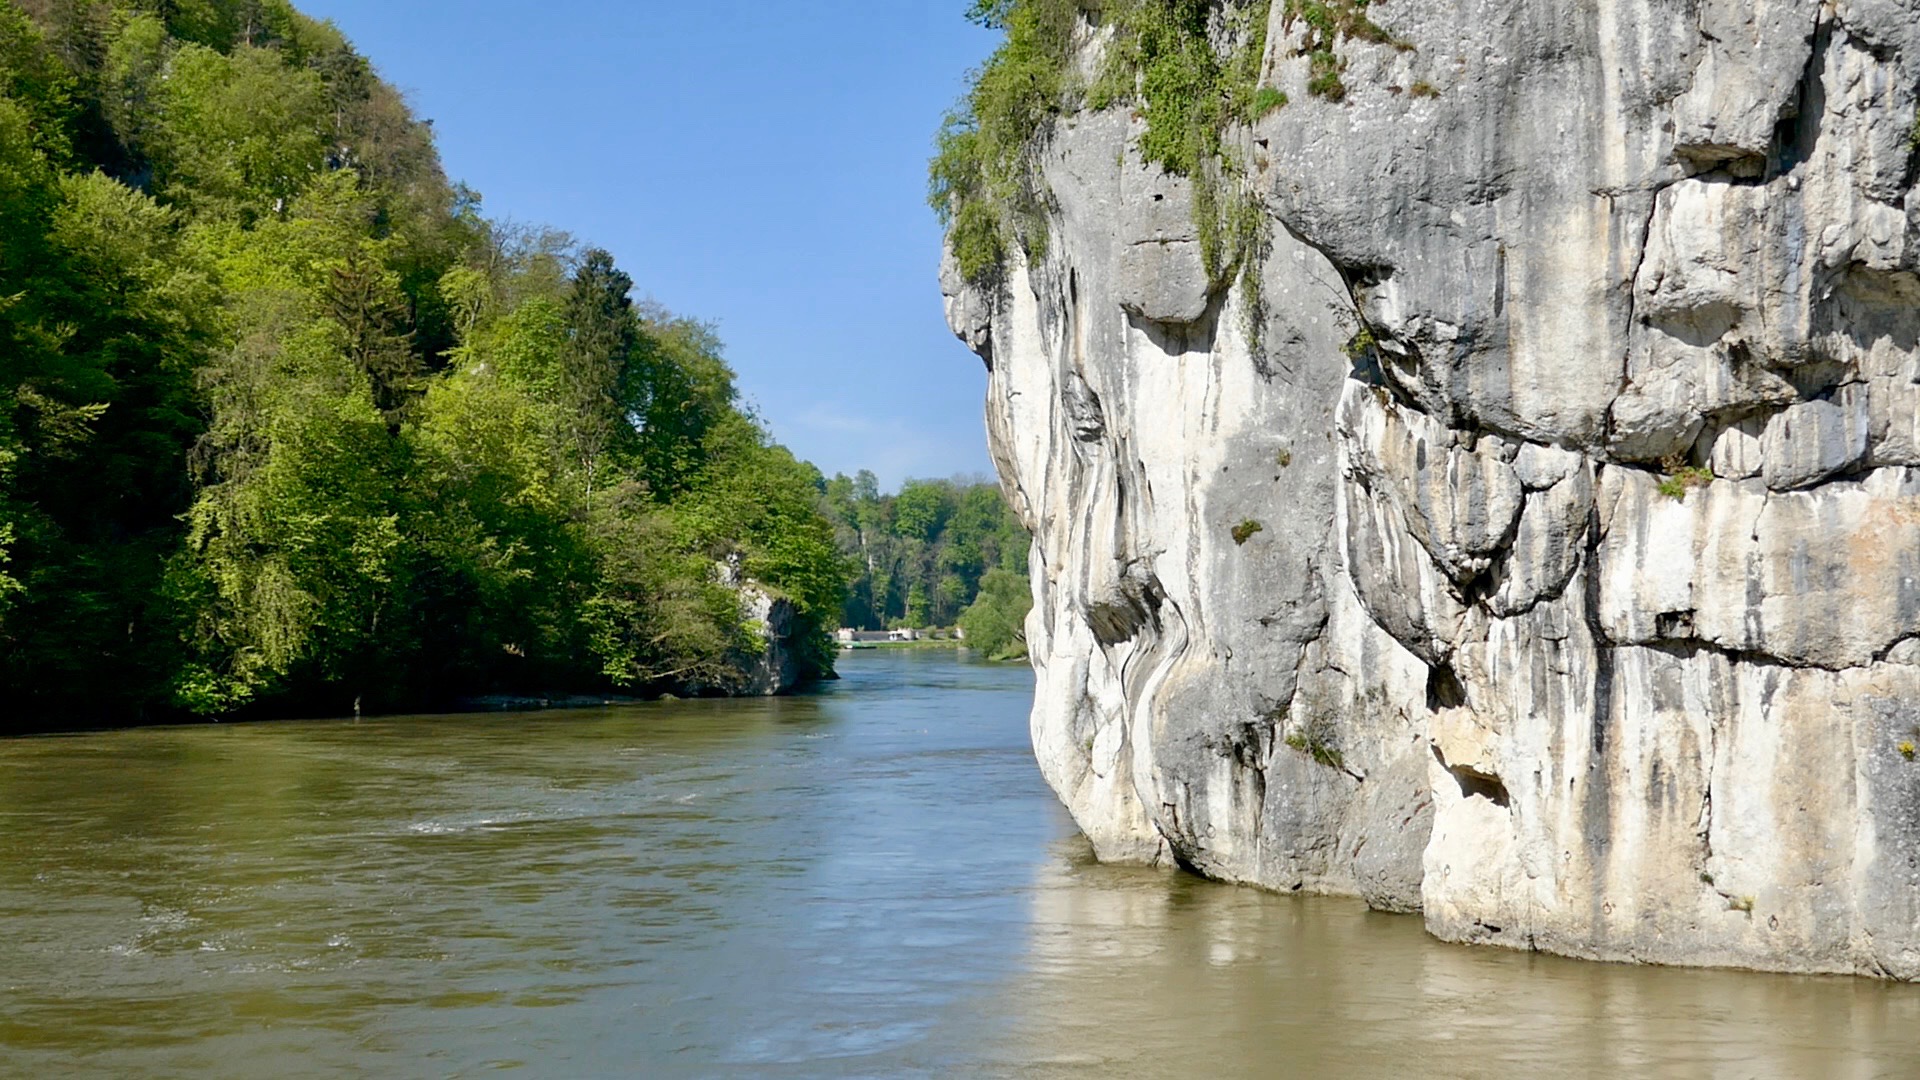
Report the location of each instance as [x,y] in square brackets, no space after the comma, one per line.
[601,333]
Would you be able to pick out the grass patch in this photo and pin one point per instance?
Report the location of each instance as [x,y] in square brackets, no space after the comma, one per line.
[1423,89]
[1246,531]
[1327,22]
[1684,478]
[1323,75]
[1318,740]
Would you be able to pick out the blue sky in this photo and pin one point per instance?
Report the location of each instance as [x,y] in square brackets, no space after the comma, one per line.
[757,164]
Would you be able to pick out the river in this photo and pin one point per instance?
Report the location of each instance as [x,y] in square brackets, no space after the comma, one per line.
[867,881]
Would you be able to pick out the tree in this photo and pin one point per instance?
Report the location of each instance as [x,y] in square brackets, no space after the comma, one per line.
[240,135]
[995,624]
[601,334]
[364,299]
[287,425]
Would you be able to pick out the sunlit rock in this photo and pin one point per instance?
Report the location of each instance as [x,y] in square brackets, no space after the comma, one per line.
[1533,536]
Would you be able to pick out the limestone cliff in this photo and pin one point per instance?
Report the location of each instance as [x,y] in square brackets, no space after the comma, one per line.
[1533,540]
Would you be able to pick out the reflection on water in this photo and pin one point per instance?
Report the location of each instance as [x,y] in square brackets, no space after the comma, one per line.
[1128,969]
[871,881]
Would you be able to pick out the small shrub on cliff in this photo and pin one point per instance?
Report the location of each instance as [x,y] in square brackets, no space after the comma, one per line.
[1246,531]
[1684,479]
[1323,77]
[1164,55]
[1362,342]
[1266,100]
[1327,22]
[1317,740]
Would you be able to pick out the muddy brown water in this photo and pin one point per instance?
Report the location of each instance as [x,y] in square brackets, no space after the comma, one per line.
[870,881]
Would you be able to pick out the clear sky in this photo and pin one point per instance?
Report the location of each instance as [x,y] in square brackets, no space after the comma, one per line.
[758,164]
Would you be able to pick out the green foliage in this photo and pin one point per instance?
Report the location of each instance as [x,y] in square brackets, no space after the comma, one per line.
[1317,746]
[1684,478]
[995,623]
[286,425]
[1246,531]
[1362,342]
[921,556]
[238,135]
[1191,67]
[1323,75]
[1423,89]
[982,179]
[1327,22]
[1164,56]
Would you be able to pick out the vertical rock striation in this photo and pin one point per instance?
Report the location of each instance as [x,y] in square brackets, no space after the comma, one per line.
[1538,545]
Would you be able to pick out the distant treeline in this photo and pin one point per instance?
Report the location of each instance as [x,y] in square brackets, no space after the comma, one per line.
[286,423]
[927,555]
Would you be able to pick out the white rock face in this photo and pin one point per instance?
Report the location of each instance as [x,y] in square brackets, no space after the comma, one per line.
[775,670]
[1422,625]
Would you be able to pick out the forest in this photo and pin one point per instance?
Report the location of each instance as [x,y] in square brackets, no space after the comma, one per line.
[289,426]
[921,553]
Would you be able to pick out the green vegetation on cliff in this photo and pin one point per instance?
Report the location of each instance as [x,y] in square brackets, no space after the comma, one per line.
[286,424]
[1190,67]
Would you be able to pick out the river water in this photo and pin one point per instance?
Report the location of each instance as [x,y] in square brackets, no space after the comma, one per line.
[869,881]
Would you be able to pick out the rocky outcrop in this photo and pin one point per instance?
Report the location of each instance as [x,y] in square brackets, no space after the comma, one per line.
[1533,539]
[775,669]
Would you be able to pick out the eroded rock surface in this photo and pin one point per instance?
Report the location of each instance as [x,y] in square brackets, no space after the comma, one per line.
[1579,607]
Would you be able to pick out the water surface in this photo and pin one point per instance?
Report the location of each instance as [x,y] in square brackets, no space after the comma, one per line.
[871,881]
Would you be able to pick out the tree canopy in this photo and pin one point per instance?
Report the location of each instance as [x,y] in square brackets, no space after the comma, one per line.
[922,555]
[286,423]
